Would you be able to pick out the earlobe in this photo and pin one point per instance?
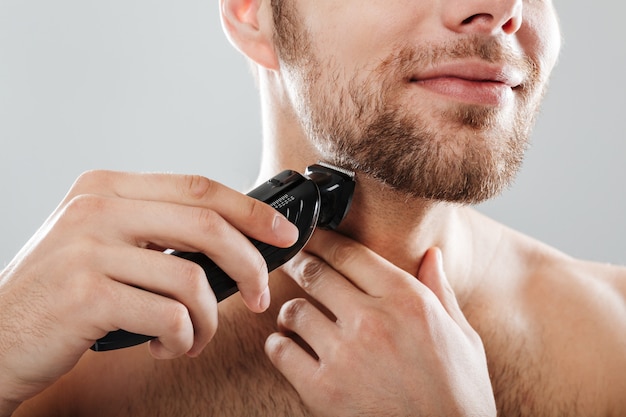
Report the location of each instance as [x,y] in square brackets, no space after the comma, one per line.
[249,27]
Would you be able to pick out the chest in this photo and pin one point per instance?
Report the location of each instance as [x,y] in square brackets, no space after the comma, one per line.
[534,358]
[232,378]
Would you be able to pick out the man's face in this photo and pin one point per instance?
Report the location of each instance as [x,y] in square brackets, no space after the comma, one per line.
[435,98]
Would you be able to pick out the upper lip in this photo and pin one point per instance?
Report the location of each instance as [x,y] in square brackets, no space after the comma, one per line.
[474,71]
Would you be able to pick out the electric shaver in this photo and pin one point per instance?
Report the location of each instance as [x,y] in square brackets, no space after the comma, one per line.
[319,198]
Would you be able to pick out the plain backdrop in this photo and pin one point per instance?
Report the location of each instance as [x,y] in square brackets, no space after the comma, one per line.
[153,85]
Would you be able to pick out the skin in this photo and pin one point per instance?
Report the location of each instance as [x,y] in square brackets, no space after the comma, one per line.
[416,307]
[102,272]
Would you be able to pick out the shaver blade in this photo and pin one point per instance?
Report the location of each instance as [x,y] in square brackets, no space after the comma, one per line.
[345,171]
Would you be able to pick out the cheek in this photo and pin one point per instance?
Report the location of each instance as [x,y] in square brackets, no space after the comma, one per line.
[359,37]
[540,37]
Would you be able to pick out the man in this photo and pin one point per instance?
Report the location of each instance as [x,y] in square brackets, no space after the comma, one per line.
[431,103]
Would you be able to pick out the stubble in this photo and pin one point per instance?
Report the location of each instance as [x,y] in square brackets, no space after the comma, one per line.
[460,153]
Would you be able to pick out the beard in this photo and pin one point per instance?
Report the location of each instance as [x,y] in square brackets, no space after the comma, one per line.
[458,153]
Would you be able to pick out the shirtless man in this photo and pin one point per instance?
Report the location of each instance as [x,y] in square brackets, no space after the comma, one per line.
[431,102]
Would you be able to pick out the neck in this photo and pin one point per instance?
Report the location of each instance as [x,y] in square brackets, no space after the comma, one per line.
[402,229]
[397,227]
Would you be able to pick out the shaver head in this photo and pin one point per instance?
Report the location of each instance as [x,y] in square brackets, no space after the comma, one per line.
[336,187]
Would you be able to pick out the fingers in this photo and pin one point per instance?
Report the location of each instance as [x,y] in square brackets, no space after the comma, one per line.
[171,277]
[412,328]
[203,230]
[291,360]
[322,282]
[90,268]
[341,261]
[370,272]
[313,327]
[123,307]
[187,213]
[367,270]
[254,218]
[306,335]
[140,223]
[432,274]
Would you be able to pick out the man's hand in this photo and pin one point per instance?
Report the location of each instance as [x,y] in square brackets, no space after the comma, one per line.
[380,342]
[97,265]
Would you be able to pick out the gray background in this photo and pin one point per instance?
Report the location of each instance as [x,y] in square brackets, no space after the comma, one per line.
[153,85]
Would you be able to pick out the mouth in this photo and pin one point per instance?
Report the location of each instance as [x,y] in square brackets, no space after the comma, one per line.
[471,82]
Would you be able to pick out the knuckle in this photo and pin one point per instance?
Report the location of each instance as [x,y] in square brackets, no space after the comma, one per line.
[208,221]
[277,349]
[414,303]
[291,311]
[199,187]
[369,323]
[373,326]
[257,210]
[193,278]
[83,206]
[85,179]
[177,319]
[344,253]
[311,272]
[88,180]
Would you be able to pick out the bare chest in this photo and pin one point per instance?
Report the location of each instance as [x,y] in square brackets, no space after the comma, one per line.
[535,363]
[232,378]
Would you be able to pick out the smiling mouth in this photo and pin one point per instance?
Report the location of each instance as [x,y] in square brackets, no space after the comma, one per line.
[476,80]
[478,91]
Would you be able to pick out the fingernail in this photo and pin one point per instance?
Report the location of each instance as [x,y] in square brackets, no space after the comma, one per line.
[264,300]
[285,229]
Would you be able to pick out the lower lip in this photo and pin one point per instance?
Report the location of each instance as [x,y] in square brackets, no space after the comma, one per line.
[489,93]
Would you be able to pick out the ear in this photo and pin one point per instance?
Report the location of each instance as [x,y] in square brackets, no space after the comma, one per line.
[249,27]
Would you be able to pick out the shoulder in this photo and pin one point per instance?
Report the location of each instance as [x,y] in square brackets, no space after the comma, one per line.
[557,333]
[581,306]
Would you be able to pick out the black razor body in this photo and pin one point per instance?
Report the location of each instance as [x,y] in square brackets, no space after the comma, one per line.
[319,198]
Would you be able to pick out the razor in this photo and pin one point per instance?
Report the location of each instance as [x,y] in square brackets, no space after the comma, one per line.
[320,197]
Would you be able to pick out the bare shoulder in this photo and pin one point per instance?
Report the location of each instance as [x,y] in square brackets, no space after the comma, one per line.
[233,377]
[587,307]
[555,334]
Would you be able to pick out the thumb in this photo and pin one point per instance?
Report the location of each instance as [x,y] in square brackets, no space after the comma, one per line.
[432,275]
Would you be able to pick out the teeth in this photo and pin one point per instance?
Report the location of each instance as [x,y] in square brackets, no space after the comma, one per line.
[336,168]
